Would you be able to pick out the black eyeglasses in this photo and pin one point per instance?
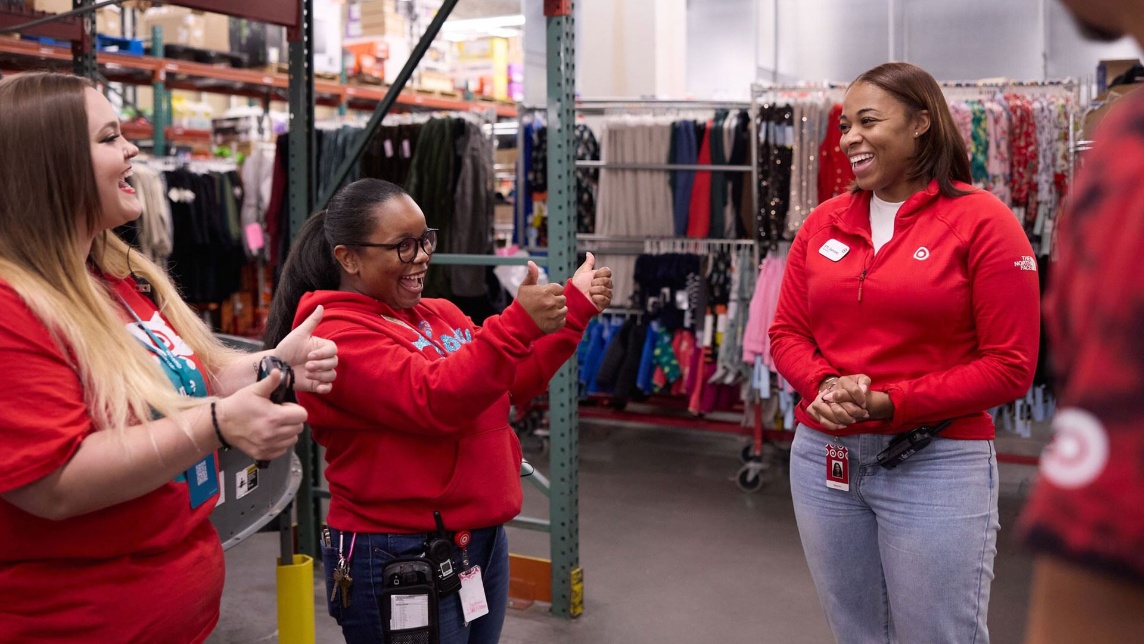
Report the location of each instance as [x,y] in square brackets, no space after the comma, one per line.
[407,248]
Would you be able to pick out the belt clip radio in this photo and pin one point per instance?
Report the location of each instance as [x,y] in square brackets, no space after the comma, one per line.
[439,552]
[907,444]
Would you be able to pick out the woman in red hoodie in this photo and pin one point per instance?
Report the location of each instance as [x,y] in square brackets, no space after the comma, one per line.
[418,422]
[910,300]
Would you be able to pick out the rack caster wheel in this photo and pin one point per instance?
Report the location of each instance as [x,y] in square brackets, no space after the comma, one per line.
[747,456]
[749,479]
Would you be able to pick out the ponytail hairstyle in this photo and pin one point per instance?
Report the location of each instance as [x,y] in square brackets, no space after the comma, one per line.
[349,218]
[941,152]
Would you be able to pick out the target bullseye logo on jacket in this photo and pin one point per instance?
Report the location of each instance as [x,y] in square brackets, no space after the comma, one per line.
[921,254]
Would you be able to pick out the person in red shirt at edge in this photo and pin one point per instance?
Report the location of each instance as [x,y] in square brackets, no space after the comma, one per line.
[420,424]
[113,406]
[1085,516]
[911,300]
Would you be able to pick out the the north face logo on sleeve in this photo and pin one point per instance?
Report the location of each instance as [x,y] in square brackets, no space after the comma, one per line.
[1026,263]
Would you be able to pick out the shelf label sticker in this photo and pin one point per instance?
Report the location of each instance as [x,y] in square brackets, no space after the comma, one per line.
[245,481]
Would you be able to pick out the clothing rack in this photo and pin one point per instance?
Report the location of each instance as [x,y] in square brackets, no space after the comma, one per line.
[167,163]
[609,106]
[604,105]
[663,245]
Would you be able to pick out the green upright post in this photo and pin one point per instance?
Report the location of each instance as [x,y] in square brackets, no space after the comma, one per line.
[301,201]
[564,457]
[160,100]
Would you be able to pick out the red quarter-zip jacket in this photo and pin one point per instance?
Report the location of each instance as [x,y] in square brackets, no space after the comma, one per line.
[417,420]
[945,318]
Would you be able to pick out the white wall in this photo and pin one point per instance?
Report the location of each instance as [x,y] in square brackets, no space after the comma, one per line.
[720,47]
[717,48]
[971,39]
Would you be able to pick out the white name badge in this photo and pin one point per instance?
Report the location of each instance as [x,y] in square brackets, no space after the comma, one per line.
[473,603]
[834,250]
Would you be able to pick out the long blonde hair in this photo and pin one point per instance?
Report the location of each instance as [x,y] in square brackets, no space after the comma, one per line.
[48,194]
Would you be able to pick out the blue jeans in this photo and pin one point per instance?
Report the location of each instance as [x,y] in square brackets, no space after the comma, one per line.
[907,554]
[361,622]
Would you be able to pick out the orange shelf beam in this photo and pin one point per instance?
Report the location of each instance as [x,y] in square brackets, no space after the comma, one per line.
[188,75]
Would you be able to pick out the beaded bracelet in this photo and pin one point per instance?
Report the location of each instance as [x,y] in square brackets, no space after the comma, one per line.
[217,431]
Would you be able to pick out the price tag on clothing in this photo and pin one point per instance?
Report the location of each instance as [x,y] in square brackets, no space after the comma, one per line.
[388,145]
[473,602]
[837,467]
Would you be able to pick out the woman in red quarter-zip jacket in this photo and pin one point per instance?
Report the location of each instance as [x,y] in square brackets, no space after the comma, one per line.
[911,300]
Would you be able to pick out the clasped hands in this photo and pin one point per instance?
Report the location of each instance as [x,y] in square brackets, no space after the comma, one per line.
[846,400]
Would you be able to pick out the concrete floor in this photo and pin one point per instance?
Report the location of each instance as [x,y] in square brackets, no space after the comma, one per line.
[672,551]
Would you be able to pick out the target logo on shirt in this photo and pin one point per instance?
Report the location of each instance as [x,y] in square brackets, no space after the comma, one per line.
[1079,451]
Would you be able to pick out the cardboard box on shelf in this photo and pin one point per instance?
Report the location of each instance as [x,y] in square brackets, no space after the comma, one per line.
[106,19]
[399,51]
[483,66]
[182,26]
[366,57]
[435,82]
[368,18]
[1093,117]
[263,44]
[1107,70]
[327,37]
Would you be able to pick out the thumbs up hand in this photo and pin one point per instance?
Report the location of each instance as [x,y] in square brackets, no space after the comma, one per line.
[546,304]
[313,359]
[594,283]
[249,421]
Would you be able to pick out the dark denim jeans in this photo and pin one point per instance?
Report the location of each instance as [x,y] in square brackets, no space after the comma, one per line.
[361,622]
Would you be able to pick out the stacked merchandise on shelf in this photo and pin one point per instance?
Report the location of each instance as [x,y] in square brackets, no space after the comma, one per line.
[445,162]
[685,337]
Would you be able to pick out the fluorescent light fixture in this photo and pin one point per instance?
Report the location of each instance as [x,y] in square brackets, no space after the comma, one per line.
[482,25]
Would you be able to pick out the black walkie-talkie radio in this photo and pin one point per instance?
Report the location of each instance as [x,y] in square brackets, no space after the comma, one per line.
[907,444]
[278,396]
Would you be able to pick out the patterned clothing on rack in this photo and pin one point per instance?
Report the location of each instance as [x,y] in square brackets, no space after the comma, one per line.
[979,145]
[1022,150]
[997,164]
[587,149]
[834,172]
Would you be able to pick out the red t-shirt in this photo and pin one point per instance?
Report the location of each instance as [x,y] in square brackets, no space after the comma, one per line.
[1088,506]
[147,570]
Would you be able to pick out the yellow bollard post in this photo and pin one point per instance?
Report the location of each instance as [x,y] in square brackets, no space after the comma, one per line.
[296,601]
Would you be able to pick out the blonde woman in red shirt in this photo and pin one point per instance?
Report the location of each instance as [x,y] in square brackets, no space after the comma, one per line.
[909,301]
[113,402]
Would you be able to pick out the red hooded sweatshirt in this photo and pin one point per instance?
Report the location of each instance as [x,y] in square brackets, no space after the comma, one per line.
[418,418]
[945,318]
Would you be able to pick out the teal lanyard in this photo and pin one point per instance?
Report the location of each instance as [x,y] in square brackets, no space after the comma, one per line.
[172,363]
